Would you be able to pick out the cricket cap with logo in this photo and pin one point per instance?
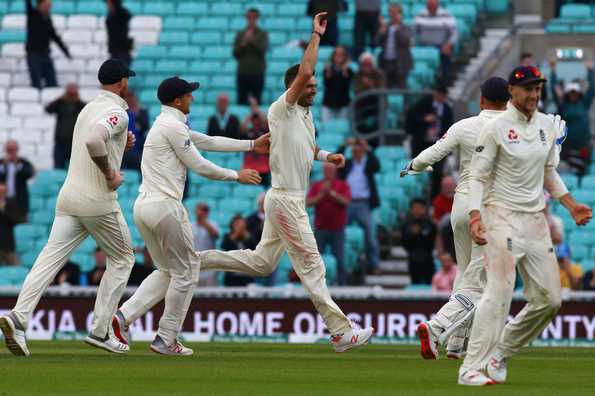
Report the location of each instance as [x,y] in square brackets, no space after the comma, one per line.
[525,75]
[172,88]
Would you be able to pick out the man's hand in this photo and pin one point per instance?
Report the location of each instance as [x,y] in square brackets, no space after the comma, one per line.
[477,229]
[248,176]
[262,145]
[337,159]
[319,23]
[131,140]
[114,180]
[581,214]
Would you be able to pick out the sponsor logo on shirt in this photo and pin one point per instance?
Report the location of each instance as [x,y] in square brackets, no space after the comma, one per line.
[542,137]
[113,120]
[513,137]
[187,143]
[479,149]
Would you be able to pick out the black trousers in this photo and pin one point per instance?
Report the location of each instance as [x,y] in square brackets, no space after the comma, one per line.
[366,24]
[249,85]
[41,70]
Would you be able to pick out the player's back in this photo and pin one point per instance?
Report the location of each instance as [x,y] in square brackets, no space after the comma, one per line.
[293,144]
[163,172]
[85,190]
[468,130]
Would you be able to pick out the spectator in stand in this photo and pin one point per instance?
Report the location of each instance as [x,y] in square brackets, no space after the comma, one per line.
[573,105]
[445,241]
[418,234]
[442,203]
[69,275]
[443,280]
[359,173]
[40,30]
[117,22]
[589,280]
[367,13]
[367,78]
[255,222]
[426,122]
[205,234]
[66,108]
[237,238]
[436,27]
[9,217]
[395,40]
[15,172]
[571,275]
[254,126]
[330,198]
[141,271]
[526,59]
[97,272]
[332,8]
[337,85]
[222,123]
[138,124]
[249,49]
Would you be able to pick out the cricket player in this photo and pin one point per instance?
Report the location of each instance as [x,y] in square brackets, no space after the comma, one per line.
[514,159]
[87,205]
[455,317]
[162,219]
[287,227]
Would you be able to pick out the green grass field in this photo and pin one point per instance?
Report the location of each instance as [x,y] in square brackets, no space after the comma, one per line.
[73,368]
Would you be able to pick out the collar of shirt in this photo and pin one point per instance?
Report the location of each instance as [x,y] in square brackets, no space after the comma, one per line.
[174,113]
[115,98]
[490,113]
[516,115]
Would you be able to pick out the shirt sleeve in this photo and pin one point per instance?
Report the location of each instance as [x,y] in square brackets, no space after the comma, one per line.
[115,122]
[219,143]
[552,181]
[436,152]
[189,155]
[482,164]
[314,190]
[345,190]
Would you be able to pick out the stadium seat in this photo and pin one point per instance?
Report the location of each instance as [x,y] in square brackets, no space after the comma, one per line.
[179,23]
[570,180]
[29,232]
[330,264]
[22,94]
[170,38]
[143,66]
[192,9]
[152,52]
[184,52]
[43,217]
[291,10]
[26,109]
[205,66]
[85,262]
[28,259]
[63,7]
[14,22]
[12,36]
[354,236]
[212,23]
[217,53]
[226,9]
[282,24]
[159,8]
[582,238]
[14,276]
[82,22]
[575,11]
[77,36]
[558,28]
[429,55]
[91,7]
[579,252]
[588,183]
[206,38]
[145,22]
[171,67]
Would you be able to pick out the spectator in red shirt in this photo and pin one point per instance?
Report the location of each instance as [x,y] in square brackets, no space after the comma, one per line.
[443,280]
[330,198]
[442,203]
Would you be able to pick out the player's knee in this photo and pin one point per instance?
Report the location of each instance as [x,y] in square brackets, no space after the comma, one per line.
[554,302]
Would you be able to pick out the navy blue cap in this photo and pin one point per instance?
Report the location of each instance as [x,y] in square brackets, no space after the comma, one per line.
[495,89]
[113,70]
[173,88]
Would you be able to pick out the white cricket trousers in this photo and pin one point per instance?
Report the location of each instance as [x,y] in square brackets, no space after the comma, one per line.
[469,282]
[164,225]
[286,227]
[521,240]
[113,238]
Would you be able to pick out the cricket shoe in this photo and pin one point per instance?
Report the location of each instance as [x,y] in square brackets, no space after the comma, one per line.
[110,343]
[351,339]
[456,354]
[497,368]
[120,328]
[14,335]
[176,349]
[428,341]
[475,378]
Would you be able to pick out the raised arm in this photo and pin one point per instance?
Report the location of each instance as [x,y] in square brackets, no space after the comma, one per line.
[220,143]
[436,152]
[308,63]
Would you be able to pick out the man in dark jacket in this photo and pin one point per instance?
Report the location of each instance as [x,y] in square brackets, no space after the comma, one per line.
[40,30]
[223,123]
[418,233]
[332,8]
[66,108]
[359,173]
[117,22]
[9,217]
[395,40]
[426,122]
[14,172]
[249,49]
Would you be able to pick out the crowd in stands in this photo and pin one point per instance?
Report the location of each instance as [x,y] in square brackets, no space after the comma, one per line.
[383,51]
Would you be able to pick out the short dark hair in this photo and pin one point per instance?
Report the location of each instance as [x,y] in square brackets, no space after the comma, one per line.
[291,74]
[420,201]
[253,9]
[525,55]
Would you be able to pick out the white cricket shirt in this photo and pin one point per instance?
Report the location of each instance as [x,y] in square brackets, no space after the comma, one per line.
[460,139]
[293,144]
[171,147]
[513,154]
[85,191]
